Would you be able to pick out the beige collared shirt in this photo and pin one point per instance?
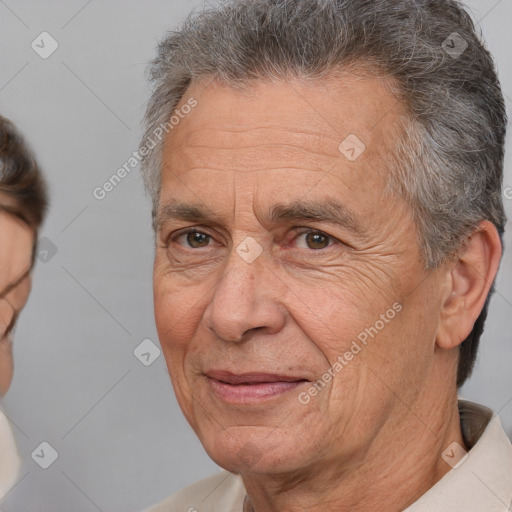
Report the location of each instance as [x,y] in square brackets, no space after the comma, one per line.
[481,482]
[9,459]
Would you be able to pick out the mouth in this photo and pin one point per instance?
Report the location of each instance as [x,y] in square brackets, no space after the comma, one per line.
[247,388]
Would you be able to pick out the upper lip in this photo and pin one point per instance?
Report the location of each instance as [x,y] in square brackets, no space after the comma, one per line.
[250,377]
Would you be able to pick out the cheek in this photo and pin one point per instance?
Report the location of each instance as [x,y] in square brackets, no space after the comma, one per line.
[360,347]
[19,296]
[178,315]
[6,315]
[175,317]
[335,315]
[6,365]
[178,312]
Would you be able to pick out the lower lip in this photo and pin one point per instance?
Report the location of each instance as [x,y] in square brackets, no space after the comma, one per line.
[251,393]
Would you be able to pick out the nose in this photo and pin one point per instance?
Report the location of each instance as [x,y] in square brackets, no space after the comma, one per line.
[245,301]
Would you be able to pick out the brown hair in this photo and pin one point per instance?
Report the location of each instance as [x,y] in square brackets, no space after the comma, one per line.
[20,178]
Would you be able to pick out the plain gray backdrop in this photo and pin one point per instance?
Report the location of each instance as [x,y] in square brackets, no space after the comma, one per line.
[121,440]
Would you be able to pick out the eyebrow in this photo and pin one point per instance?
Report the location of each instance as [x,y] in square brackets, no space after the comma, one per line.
[183,211]
[329,210]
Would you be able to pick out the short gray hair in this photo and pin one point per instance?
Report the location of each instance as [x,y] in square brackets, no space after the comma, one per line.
[449,162]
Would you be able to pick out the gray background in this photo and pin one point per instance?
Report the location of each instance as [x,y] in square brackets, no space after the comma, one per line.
[121,440]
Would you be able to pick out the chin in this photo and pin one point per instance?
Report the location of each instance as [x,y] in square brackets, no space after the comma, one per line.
[238,451]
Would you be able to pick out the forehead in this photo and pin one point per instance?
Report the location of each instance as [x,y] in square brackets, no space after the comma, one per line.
[342,103]
[293,131]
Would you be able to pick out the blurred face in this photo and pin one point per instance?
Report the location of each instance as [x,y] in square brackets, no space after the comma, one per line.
[288,281]
[16,245]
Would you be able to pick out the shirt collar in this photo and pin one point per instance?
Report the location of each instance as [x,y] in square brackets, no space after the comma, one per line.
[482,481]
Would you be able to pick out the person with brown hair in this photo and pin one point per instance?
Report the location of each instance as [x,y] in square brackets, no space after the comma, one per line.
[23,203]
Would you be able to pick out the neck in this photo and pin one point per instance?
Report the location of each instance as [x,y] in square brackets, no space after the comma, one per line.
[397,468]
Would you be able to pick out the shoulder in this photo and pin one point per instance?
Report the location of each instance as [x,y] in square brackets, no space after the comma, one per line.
[222,492]
[10,461]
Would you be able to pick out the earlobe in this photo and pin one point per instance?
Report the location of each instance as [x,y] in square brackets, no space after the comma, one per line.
[468,284]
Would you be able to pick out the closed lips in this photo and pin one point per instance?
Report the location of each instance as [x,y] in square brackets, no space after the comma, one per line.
[250,378]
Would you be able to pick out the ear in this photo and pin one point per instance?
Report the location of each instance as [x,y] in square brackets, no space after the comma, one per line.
[468,281]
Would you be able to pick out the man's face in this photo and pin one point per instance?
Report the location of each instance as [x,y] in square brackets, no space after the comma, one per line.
[16,242]
[295,250]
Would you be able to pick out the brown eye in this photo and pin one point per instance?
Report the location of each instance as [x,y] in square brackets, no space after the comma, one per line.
[316,240]
[196,239]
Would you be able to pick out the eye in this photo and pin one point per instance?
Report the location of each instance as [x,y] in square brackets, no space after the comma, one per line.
[315,240]
[193,238]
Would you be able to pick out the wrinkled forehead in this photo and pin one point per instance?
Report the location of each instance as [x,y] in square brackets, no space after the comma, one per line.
[327,111]
[272,135]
